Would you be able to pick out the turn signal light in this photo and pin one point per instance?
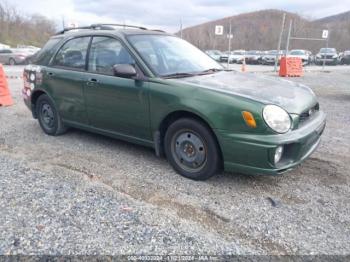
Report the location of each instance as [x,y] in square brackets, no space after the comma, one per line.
[249,119]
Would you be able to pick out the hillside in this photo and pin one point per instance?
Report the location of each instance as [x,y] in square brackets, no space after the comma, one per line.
[19,29]
[260,30]
[339,18]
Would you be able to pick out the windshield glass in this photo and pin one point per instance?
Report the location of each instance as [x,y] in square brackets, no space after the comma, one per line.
[272,52]
[167,55]
[297,52]
[216,52]
[327,50]
[253,53]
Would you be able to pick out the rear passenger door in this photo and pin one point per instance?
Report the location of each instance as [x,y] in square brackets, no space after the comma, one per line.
[65,79]
[115,104]
[4,56]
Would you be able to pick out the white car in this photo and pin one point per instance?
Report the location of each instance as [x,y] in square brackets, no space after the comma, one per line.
[236,56]
[304,55]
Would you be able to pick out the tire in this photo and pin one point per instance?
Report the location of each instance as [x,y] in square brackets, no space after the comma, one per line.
[12,62]
[48,117]
[191,149]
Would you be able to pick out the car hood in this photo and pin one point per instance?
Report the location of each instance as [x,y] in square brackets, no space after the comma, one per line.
[333,54]
[252,56]
[293,97]
[270,56]
[299,56]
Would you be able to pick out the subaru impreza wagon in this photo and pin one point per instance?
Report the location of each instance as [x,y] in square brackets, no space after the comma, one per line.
[157,90]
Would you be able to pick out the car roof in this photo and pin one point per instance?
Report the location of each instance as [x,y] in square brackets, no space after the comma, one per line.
[117,32]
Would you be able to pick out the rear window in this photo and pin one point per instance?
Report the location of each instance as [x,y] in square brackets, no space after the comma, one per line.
[44,55]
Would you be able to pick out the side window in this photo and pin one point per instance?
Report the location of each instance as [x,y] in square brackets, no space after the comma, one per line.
[73,53]
[45,54]
[105,52]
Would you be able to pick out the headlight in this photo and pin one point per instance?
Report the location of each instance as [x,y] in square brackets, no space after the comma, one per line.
[335,56]
[277,118]
[318,56]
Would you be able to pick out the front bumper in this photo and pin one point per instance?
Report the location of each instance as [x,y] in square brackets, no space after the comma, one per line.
[253,154]
[327,60]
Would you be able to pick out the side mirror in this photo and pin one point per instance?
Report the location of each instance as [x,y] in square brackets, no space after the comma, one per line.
[124,70]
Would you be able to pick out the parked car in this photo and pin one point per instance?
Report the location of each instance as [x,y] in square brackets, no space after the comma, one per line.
[157,90]
[345,58]
[253,57]
[13,56]
[3,46]
[224,56]
[237,56]
[270,57]
[304,55]
[29,48]
[215,54]
[328,56]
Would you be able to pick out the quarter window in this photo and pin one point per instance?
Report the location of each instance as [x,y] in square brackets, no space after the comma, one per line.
[73,53]
[105,52]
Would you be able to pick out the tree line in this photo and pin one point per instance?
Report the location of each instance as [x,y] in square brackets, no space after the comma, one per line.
[17,29]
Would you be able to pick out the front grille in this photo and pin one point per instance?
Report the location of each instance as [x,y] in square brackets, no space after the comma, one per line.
[327,56]
[307,114]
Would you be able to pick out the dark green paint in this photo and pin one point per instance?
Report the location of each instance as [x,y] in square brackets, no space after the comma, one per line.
[133,110]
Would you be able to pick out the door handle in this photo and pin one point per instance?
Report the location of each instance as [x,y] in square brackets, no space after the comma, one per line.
[50,74]
[92,82]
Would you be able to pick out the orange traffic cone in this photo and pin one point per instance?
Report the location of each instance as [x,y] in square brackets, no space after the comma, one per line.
[5,96]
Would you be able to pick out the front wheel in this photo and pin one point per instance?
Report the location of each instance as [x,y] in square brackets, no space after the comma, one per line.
[49,119]
[191,149]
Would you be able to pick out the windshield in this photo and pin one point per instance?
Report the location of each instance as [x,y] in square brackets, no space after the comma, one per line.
[167,55]
[297,52]
[328,50]
[272,52]
[252,53]
[215,52]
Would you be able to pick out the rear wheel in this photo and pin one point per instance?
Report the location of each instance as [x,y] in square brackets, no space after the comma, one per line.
[12,61]
[191,149]
[49,119]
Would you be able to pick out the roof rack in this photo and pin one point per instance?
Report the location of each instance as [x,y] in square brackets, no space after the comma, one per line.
[100,27]
[119,25]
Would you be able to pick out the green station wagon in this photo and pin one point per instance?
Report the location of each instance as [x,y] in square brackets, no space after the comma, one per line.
[157,90]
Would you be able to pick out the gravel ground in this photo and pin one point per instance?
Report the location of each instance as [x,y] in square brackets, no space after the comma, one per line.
[82,193]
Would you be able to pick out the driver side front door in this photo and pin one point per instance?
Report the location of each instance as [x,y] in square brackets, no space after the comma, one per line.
[115,104]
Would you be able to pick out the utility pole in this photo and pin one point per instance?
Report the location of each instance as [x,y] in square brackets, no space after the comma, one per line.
[229,45]
[288,39]
[324,60]
[181,28]
[63,24]
[280,41]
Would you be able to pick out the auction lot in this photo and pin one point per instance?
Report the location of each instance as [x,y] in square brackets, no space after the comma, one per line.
[82,193]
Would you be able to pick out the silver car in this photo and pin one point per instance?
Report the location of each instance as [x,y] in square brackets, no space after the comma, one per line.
[13,56]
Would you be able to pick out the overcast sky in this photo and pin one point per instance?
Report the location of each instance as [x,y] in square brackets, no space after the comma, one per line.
[166,15]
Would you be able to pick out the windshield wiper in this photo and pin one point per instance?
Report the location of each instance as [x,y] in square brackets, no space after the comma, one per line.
[178,75]
[210,71]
